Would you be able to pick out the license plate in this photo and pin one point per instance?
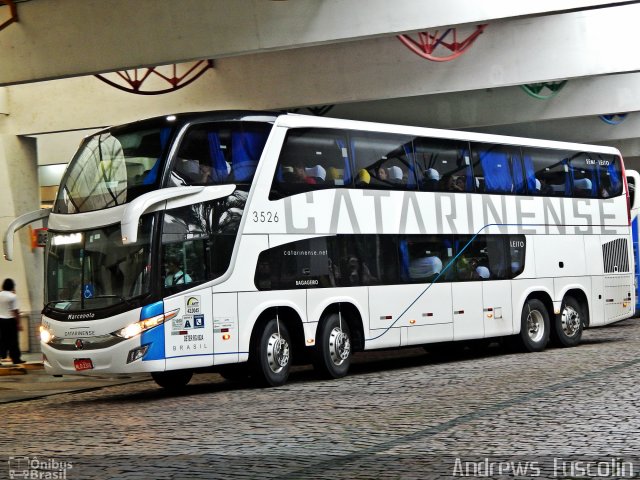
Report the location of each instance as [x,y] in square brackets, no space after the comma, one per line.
[83,364]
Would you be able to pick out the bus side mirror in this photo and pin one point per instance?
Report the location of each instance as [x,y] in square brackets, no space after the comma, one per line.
[17,224]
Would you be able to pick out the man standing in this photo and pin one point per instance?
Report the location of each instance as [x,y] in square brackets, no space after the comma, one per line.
[9,322]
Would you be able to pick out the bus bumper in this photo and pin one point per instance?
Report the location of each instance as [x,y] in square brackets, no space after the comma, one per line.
[91,362]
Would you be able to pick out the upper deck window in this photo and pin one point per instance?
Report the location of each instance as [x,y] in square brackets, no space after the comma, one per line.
[112,168]
[443,165]
[312,159]
[219,153]
[497,168]
[383,161]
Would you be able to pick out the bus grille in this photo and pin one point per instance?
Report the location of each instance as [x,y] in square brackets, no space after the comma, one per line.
[615,256]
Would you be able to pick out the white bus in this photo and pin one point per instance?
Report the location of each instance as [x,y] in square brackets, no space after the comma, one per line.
[200,241]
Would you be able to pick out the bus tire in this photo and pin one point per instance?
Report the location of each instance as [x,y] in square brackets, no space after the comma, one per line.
[172,379]
[567,328]
[271,355]
[333,348]
[534,326]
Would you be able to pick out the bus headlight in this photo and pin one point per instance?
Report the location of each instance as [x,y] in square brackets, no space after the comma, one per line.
[137,328]
[45,334]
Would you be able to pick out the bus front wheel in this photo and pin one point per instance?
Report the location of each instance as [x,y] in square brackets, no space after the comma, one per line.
[271,355]
[567,328]
[535,326]
[172,379]
[333,348]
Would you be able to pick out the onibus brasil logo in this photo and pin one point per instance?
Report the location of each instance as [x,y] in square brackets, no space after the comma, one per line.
[38,468]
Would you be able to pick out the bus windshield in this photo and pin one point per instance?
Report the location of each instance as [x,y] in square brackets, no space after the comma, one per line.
[113,167]
[92,269]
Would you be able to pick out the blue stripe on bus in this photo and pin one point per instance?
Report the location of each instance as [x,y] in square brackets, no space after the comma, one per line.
[152,310]
[154,337]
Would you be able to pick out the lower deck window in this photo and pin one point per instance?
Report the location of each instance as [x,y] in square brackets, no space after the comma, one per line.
[362,260]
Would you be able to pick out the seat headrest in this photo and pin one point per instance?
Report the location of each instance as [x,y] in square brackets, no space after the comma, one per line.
[364,177]
[483,272]
[582,183]
[316,171]
[395,173]
[431,174]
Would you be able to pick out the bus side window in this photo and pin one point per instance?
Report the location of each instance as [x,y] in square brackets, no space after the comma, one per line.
[485,258]
[442,165]
[200,238]
[609,175]
[517,250]
[383,161]
[423,258]
[311,159]
[546,171]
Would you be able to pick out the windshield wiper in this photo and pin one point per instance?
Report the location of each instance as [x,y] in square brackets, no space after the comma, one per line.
[122,299]
[53,303]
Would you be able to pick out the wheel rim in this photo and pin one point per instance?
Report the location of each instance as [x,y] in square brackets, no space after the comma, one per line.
[570,321]
[277,353]
[339,346]
[535,325]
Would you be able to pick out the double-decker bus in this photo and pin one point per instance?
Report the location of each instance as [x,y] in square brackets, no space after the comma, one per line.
[206,240]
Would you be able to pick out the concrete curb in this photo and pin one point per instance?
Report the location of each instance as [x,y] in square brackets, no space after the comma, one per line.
[5,371]
[21,369]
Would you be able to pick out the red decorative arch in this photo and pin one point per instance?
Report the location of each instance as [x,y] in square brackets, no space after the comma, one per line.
[13,13]
[427,43]
[156,80]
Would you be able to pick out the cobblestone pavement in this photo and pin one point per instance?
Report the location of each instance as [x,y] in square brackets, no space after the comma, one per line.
[400,414]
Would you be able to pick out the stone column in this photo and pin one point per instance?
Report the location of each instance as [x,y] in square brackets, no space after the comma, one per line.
[19,193]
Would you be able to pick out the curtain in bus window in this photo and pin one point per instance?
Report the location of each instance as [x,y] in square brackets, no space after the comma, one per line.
[609,175]
[411,177]
[403,249]
[346,175]
[152,176]
[246,147]
[530,176]
[220,170]
[497,174]
[518,175]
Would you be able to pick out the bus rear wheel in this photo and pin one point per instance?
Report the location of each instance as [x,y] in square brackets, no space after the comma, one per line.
[271,355]
[333,348]
[534,326]
[172,379]
[567,328]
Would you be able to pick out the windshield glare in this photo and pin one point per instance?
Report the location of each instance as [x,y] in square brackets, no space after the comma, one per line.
[92,269]
[112,168]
